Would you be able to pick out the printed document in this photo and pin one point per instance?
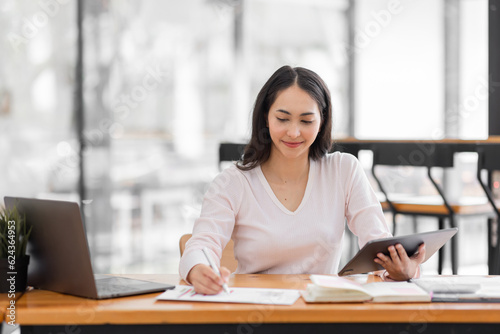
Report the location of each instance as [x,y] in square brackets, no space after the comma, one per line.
[236,295]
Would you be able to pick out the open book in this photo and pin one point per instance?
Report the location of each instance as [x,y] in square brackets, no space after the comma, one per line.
[333,289]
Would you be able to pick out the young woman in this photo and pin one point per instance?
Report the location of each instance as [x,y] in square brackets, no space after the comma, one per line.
[286,203]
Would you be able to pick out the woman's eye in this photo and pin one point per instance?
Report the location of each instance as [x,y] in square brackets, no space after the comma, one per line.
[281,119]
[307,122]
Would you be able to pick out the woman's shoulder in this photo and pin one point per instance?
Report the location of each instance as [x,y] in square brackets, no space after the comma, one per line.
[339,165]
[338,158]
[232,177]
[229,184]
[232,173]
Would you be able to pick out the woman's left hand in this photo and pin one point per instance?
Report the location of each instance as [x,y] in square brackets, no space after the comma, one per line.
[399,266]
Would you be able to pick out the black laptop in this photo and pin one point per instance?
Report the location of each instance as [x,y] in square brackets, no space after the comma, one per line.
[59,253]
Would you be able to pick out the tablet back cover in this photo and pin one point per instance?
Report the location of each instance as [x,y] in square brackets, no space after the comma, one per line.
[362,262]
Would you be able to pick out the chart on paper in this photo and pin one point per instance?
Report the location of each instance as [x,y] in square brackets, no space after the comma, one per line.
[236,295]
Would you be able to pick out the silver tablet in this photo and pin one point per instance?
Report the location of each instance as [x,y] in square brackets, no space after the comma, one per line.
[362,262]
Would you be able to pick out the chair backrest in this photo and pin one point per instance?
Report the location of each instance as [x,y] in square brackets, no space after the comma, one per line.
[413,154]
[352,148]
[489,159]
[489,156]
[227,259]
[230,152]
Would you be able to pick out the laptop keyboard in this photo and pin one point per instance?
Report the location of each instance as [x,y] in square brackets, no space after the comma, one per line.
[109,286]
[111,289]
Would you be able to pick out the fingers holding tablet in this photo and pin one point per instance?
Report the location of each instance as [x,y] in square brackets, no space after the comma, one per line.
[398,264]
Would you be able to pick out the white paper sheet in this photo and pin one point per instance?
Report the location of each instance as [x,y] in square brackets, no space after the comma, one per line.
[237,295]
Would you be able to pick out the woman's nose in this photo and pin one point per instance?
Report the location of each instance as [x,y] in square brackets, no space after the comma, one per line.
[293,131]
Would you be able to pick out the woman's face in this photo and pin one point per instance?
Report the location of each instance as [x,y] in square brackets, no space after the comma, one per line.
[294,121]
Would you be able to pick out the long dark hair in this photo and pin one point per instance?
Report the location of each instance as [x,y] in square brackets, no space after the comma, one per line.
[258,149]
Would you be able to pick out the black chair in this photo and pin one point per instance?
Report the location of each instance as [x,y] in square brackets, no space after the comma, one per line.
[426,155]
[352,148]
[229,152]
[489,159]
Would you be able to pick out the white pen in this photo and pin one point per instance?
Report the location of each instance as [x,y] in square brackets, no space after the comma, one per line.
[214,267]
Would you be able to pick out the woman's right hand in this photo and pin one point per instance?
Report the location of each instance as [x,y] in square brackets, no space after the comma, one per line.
[205,280]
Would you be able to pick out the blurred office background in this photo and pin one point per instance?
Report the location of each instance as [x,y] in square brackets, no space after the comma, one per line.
[164,82]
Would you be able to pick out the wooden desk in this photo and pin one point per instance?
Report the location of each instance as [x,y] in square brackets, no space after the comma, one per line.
[4,303]
[47,312]
[5,306]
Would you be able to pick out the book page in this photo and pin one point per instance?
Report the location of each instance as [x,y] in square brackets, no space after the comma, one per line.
[334,289]
[312,295]
[335,282]
[236,295]
[339,289]
[397,292]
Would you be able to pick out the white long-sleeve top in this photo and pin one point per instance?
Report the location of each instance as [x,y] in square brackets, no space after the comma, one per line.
[269,238]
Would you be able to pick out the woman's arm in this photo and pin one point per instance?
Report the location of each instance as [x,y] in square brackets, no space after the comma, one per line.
[363,211]
[366,220]
[212,230]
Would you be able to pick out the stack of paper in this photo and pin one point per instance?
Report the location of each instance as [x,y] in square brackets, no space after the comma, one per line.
[461,288]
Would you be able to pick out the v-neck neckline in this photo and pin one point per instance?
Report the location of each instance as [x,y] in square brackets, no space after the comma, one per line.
[270,192]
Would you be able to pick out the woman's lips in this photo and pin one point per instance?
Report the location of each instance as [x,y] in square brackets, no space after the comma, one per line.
[292,144]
